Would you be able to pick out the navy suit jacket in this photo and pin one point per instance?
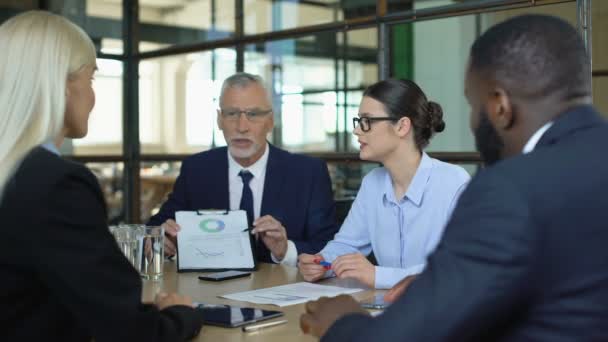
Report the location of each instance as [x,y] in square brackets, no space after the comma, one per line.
[297,192]
[63,276]
[524,256]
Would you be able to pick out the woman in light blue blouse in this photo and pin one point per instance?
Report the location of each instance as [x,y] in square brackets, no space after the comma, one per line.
[402,207]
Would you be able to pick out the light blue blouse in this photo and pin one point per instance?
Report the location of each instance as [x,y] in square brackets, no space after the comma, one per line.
[401,232]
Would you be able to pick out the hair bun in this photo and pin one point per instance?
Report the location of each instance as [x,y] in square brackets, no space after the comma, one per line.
[436,116]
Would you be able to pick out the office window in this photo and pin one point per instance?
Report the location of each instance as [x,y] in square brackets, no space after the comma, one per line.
[267,15]
[105,121]
[101,19]
[202,97]
[442,79]
[178,101]
[307,76]
[349,109]
[166,23]
[295,69]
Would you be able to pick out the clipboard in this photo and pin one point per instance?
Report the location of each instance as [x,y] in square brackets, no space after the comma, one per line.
[214,241]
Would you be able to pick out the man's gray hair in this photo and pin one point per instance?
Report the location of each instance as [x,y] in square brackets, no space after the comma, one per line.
[242,79]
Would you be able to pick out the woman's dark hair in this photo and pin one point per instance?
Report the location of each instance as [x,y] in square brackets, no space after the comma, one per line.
[404,98]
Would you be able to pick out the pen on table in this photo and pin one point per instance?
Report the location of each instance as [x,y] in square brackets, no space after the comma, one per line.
[255,327]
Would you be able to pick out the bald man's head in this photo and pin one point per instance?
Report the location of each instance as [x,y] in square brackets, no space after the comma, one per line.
[522,74]
[534,56]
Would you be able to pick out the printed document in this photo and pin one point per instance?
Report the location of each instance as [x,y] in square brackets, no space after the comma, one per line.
[213,241]
[291,294]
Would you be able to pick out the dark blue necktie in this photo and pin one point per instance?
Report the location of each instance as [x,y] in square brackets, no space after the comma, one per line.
[247,196]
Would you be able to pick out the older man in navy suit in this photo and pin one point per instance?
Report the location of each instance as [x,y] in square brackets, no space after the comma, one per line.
[524,256]
[287,197]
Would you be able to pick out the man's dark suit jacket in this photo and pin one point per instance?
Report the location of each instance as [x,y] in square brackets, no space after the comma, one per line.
[63,277]
[297,192]
[524,256]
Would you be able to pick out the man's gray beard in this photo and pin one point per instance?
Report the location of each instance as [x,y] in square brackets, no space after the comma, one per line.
[236,152]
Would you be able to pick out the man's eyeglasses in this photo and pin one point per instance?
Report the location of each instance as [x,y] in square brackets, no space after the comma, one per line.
[366,122]
[251,115]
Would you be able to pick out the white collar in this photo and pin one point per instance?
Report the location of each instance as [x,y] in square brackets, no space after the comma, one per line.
[531,144]
[257,169]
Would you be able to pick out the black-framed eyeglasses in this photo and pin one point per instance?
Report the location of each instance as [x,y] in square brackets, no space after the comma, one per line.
[251,115]
[366,122]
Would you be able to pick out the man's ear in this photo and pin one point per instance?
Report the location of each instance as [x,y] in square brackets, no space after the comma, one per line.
[404,126]
[500,109]
[219,120]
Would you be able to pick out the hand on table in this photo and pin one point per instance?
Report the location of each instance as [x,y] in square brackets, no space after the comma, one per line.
[171,229]
[164,300]
[309,267]
[355,266]
[321,314]
[273,234]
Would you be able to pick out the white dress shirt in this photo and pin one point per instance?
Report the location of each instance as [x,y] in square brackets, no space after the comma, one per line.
[235,189]
[534,139]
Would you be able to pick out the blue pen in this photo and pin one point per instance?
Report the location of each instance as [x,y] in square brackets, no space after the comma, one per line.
[325,264]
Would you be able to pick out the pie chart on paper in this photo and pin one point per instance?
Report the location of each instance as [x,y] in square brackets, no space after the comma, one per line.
[212,225]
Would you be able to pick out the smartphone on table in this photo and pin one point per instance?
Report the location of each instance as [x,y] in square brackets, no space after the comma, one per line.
[375,303]
[219,276]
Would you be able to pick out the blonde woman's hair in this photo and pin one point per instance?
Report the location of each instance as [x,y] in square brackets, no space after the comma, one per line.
[40,51]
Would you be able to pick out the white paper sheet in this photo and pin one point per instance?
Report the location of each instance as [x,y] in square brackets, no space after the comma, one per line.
[291,294]
[213,241]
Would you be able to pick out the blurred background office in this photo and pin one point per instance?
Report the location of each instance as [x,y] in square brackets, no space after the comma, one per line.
[161,64]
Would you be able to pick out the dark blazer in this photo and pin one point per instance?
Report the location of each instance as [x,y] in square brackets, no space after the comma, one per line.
[524,257]
[297,192]
[63,277]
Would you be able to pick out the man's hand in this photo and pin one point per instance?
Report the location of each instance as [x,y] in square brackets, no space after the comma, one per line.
[321,314]
[273,234]
[164,300]
[355,266]
[309,268]
[171,228]
[396,291]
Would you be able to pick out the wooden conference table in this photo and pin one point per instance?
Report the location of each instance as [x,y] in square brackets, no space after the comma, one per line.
[268,275]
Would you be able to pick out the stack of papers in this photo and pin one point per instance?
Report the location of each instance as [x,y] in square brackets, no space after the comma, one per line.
[291,294]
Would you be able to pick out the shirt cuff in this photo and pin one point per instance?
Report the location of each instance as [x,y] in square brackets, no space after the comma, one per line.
[291,256]
[387,277]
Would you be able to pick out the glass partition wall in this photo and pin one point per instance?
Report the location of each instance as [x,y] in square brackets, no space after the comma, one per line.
[161,64]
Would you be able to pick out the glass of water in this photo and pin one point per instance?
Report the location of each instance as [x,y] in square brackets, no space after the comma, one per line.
[129,237]
[152,259]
